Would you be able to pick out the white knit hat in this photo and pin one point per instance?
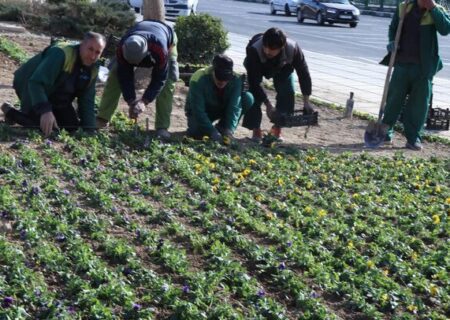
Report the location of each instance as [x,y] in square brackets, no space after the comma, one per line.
[135,49]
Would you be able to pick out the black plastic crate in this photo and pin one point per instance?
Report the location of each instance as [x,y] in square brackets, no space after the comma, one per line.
[438,119]
[296,119]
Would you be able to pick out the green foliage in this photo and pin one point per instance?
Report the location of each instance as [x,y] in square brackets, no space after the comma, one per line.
[12,50]
[71,18]
[200,37]
[11,10]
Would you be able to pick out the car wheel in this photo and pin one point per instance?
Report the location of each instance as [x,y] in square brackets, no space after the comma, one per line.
[330,23]
[319,18]
[353,24]
[272,9]
[287,11]
[300,17]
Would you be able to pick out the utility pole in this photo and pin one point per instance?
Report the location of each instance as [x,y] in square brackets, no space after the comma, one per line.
[154,9]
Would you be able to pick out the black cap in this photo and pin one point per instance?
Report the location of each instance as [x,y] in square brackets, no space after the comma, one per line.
[223,67]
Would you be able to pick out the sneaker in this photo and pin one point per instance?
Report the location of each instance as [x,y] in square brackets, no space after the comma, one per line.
[276,132]
[163,134]
[416,146]
[257,135]
[6,107]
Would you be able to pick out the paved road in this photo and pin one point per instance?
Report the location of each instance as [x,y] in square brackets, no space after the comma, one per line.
[340,59]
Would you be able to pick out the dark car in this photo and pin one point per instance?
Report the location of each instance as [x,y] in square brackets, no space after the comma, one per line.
[331,11]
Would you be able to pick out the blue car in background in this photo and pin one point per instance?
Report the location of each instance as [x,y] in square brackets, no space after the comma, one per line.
[331,11]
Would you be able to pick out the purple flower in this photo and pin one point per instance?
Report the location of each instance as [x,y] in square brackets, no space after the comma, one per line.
[314,294]
[289,244]
[71,310]
[35,190]
[136,307]
[48,142]
[4,214]
[127,271]
[282,266]
[165,287]
[186,289]
[37,292]
[7,302]
[60,237]
[114,180]
[83,161]
[261,293]
[66,192]
[24,183]
[23,234]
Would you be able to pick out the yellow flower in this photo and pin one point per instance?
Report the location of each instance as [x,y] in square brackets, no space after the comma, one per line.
[355,196]
[370,264]
[437,189]
[237,182]
[350,245]
[246,172]
[447,201]
[308,209]
[280,182]
[384,298]
[205,138]
[434,290]
[214,188]
[212,166]
[269,165]
[309,185]
[236,158]
[357,178]
[252,162]
[322,213]
[216,180]
[385,272]
[258,197]
[270,215]
[279,157]
[310,158]
[414,256]
[412,308]
[436,219]
[297,190]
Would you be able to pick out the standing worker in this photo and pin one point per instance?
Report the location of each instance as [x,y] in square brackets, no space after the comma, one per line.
[417,61]
[215,93]
[272,55]
[48,83]
[149,44]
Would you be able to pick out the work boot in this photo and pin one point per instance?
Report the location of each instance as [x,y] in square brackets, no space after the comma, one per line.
[163,134]
[416,146]
[276,132]
[100,123]
[6,107]
[257,135]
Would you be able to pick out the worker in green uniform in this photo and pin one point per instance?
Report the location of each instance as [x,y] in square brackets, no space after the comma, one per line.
[417,61]
[48,83]
[216,94]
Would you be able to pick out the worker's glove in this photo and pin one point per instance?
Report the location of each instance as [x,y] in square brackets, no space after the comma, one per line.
[308,108]
[391,46]
[216,136]
[135,109]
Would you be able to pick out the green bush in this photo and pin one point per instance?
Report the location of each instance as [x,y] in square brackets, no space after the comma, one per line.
[200,37]
[71,18]
[11,10]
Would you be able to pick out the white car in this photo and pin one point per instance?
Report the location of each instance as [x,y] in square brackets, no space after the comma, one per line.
[174,8]
[287,6]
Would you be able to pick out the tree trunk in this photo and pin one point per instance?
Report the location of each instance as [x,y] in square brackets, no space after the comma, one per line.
[154,9]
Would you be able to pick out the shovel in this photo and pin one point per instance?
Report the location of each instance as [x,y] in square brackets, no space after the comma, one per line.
[376,131]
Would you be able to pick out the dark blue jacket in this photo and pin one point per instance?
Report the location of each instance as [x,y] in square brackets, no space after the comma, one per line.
[159,39]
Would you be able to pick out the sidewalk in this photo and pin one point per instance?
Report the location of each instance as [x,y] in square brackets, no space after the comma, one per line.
[333,78]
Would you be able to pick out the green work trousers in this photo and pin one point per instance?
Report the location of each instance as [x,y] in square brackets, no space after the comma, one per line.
[285,101]
[112,92]
[407,80]
[194,129]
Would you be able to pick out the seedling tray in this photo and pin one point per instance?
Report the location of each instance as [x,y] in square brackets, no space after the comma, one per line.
[296,119]
[438,119]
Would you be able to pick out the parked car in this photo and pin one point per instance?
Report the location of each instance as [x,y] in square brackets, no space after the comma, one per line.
[286,6]
[331,11]
[174,8]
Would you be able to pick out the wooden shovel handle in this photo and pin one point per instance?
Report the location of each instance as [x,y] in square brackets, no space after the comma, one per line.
[392,60]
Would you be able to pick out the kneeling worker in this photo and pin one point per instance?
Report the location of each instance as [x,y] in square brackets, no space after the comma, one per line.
[215,93]
[48,83]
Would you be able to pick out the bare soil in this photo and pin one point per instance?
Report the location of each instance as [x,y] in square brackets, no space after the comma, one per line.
[333,133]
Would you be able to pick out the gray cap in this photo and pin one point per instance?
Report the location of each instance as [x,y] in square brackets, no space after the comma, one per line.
[135,49]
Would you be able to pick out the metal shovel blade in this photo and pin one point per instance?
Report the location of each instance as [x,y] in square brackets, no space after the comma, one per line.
[375,134]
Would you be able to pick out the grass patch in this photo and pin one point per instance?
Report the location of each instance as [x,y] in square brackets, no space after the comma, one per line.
[12,50]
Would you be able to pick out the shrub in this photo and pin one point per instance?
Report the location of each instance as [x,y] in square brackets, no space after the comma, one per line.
[200,37]
[71,18]
[11,10]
